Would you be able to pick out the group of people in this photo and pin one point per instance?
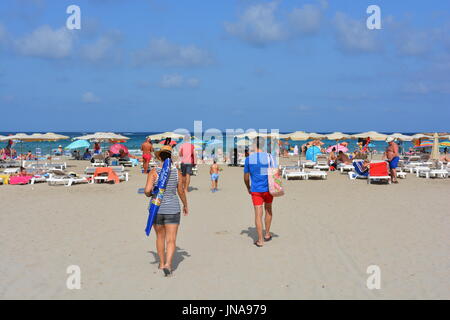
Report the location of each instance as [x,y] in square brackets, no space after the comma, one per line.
[168,217]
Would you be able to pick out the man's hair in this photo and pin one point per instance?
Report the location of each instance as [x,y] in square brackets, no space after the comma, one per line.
[260,142]
[340,152]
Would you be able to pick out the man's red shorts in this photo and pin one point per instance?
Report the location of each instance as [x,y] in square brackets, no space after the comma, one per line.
[259,198]
[147,157]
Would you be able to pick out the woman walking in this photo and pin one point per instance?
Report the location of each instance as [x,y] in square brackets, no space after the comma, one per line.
[168,218]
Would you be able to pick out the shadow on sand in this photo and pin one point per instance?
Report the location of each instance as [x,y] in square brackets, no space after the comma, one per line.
[178,256]
[251,233]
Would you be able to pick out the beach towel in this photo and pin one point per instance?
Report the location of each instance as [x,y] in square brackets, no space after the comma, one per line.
[20,180]
[379,169]
[274,179]
[358,165]
[112,176]
[159,189]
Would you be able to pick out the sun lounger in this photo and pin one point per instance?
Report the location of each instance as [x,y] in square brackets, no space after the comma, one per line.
[308,164]
[434,173]
[60,177]
[11,171]
[293,172]
[345,167]
[322,163]
[317,174]
[358,171]
[9,164]
[379,171]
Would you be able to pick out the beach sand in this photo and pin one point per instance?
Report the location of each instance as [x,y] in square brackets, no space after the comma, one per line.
[326,234]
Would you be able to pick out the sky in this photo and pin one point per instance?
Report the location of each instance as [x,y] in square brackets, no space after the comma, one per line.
[157,65]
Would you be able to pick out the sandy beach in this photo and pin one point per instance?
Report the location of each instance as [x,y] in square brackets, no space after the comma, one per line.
[326,234]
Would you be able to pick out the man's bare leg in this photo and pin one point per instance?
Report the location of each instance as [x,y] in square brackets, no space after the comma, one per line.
[259,224]
[268,219]
[187,181]
[394,175]
[145,165]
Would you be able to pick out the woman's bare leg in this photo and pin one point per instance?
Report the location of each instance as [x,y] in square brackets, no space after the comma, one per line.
[171,237]
[160,244]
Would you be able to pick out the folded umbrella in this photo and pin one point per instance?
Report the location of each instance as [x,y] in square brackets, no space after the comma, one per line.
[159,190]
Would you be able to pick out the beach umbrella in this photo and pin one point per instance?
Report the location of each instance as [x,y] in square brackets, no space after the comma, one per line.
[338,147]
[317,136]
[435,155]
[298,136]
[102,137]
[172,142]
[401,137]
[445,144]
[337,136]
[420,136]
[373,135]
[115,148]
[164,135]
[424,144]
[78,144]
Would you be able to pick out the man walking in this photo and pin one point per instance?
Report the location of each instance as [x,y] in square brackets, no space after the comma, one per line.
[188,160]
[256,181]
[147,149]
[392,157]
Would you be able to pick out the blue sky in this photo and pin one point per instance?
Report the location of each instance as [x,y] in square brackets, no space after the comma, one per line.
[151,65]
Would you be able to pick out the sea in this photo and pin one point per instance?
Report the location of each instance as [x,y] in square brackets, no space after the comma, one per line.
[136,139]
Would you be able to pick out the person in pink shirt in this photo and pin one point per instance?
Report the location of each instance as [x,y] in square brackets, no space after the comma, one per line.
[188,159]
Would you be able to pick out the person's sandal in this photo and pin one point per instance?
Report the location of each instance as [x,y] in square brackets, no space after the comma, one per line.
[257,244]
[268,239]
[167,272]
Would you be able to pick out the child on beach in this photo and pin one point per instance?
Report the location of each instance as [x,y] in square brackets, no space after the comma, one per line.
[214,172]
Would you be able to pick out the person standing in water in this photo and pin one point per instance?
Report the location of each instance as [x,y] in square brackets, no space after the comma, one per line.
[147,149]
[214,172]
[167,219]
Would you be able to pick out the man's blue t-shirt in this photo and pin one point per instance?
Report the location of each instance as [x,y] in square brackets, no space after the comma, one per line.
[256,164]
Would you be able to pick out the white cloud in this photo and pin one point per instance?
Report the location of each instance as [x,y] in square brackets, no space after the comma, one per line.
[261,24]
[161,51]
[45,42]
[353,36]
[170,81]
[307,19]
[258,25]
[89,97]
[104,47]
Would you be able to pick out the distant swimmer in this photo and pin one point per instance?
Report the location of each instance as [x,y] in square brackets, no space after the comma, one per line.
[147,149]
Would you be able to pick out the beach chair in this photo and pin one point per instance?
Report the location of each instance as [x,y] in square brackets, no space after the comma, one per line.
[293,172]
[358,171]
[322,162]
[60,177]
[345,167]
[379,171]
[438,173]
[317,174]
[121,173]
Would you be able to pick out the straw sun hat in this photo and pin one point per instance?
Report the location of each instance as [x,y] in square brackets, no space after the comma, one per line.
[166,149]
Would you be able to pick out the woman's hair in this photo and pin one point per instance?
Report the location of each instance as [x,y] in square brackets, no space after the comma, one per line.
[165,155]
